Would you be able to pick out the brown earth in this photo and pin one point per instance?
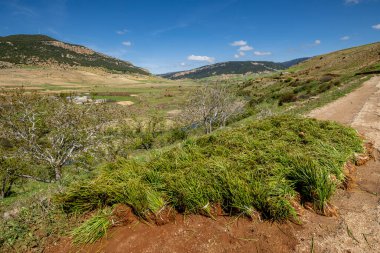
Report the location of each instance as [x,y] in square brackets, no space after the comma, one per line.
[355,228]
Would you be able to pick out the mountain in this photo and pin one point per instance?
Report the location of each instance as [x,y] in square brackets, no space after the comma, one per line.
[290,63]
[42,50]
[231,67]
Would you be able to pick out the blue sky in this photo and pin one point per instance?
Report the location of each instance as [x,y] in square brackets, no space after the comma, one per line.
[174,35]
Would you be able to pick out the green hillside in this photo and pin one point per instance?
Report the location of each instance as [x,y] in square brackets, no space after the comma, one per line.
[44,50]
[225,68]
[315,81]
[233,68]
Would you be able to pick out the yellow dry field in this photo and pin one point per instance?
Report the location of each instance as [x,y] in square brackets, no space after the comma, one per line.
[137,90]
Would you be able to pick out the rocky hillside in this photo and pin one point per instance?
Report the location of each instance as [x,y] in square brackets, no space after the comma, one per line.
[42,50]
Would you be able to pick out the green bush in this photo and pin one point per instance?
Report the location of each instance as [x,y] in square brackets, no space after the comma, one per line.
[256,168]
[287,98]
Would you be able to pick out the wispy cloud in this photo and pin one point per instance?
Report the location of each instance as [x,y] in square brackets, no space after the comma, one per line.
[169,29]
[127,43]
[317,42]
[345,38]
[240,54]
[259,53]
[376,27]
[246,48]
[53,31]
[122,32]
[352,2]
[239,43]
[20,9]
[201,58]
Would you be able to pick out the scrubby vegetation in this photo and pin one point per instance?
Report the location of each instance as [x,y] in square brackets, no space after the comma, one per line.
[260,167]
[225,68]
[41,49]
[261,159]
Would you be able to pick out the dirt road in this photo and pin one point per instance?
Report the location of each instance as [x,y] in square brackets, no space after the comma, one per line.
[357,227]
[359,109]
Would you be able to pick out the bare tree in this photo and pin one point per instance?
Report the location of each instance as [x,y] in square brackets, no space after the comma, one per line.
[212,106]
[49,130]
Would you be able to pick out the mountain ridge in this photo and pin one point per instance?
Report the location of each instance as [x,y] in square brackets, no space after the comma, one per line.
[232,67]
[31,49]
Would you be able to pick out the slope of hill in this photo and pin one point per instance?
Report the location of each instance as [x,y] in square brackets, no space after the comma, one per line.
[290,63]
[316,81]
[231,67]
[46,51]
[348,61]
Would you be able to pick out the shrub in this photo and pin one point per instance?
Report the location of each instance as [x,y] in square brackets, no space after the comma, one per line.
[324,87]
[287,98]
[255,168]
[326,78]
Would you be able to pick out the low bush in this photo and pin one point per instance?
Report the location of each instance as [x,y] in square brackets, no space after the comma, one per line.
[259,167]
[287,98]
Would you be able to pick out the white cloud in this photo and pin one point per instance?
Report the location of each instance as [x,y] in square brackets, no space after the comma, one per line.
[127,43]
[121,32]
[240,54]
[345,38]
[200,58]
[258,53]
[239,43]
[317,42]
[246,48]
[183,64]
[376,27]
[352,1]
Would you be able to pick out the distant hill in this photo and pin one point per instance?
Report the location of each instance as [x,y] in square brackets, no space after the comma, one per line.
[232,67]
[290,63]
[355,60]
[43,50]
[335,74]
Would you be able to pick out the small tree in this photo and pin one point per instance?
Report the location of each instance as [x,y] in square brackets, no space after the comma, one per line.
[212,105]
[49,130]
[10,169]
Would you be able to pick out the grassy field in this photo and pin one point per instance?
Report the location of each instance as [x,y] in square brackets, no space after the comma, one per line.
[145,91]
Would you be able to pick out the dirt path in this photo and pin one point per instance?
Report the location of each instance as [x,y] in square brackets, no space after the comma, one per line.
[360,109]
[356,229]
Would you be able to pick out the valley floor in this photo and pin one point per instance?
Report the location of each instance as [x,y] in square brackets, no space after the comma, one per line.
[354,229]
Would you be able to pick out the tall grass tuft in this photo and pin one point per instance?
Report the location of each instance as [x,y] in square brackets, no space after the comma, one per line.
[94,228]
[256,168]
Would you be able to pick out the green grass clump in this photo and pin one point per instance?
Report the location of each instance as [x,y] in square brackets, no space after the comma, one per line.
[257,167]
[94,228]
